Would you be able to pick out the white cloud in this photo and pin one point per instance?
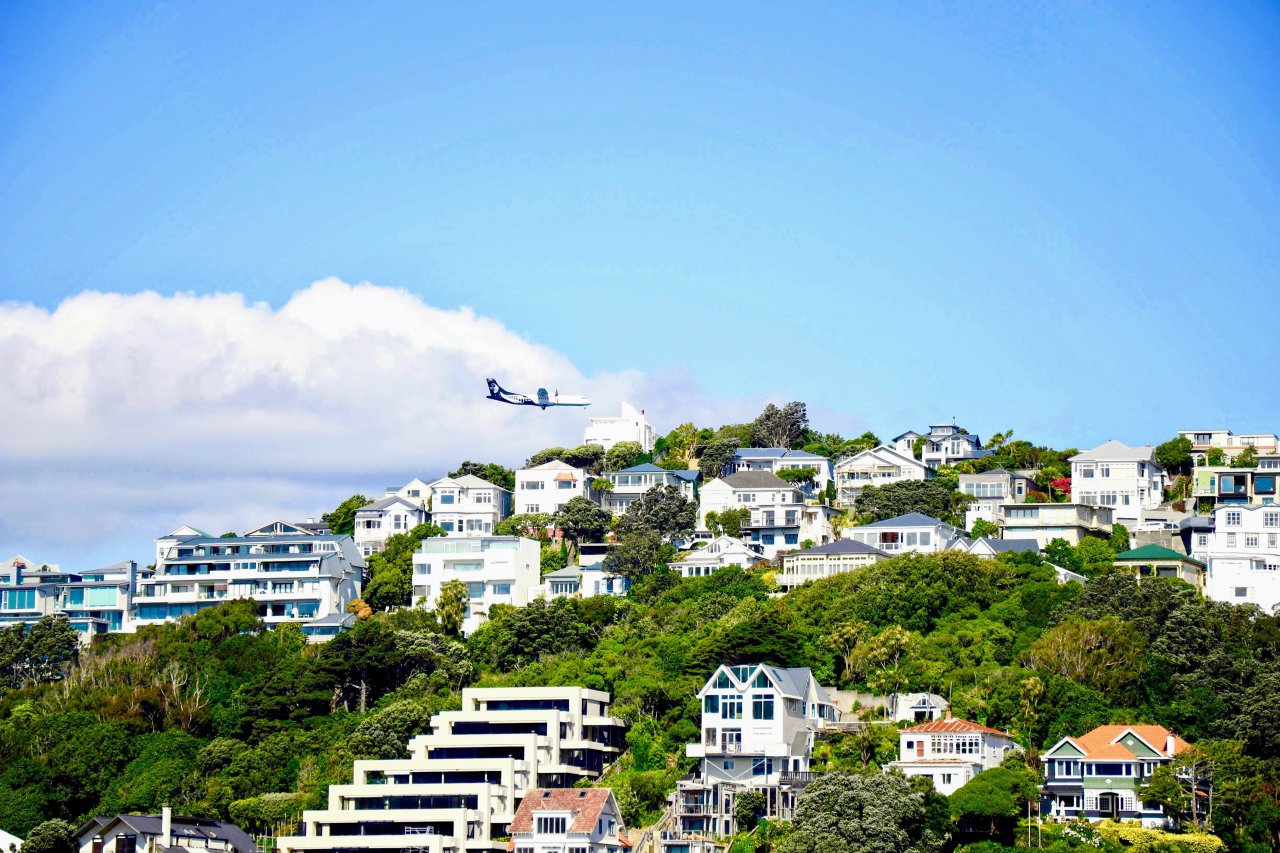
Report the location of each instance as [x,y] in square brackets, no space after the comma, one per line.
[129,414]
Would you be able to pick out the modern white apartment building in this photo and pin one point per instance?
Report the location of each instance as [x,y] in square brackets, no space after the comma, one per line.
[878,466]
[461,785]
[630,483]
[380,520]
[777,459]
[914,531]
[547,487]
[628,426]
[1126,479]
[992,489]
[468,505]
[947,444]
[293,574]
[950,752]
[96,601]
[496,570]
[1243,556]
[758,725]
[582,820]
[1231,445]
[823,561]
[718,553]
[780,518]
[1046,522]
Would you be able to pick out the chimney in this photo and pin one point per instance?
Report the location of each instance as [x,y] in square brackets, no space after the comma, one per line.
[166,826]
[1168,744]
[311,521]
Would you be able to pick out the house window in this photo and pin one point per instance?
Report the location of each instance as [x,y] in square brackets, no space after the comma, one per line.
[534,485]
[728,764]
[762,767]
[1251,541]
[1233,518]
[766,538]
[1203,540]
[502,589]
[762,706]
[1242,592]
[1231,540]
[946,778]
[711,704]
[534,507]
[1271,519]
[731,708]
[446,498]
[552,825]
[791,538]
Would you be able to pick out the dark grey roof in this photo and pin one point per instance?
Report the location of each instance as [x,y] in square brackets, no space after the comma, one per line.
[842,546]
[181,827]
[911,519]
[1010,545]
[905,434]
[756,480]
[342,620]
[386,502]
[650,468]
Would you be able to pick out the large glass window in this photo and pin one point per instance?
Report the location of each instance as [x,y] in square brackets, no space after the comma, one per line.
[762,706]
[731,708]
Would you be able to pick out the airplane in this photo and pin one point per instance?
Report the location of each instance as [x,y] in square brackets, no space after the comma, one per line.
[497,392]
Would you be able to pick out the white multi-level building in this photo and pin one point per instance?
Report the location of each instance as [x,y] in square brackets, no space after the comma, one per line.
[1125,479]
[1046,522]
[823,561]
[718,553]
[758,725]
[878,466]
[992,489]
[1231,445]
[780,517]
[97,601]
[630,483]
[778,459]
[914,531]
[582,820]
[380,520]
[1242,555]
[495,569]
[468,505]
[461,785]
[947,444]
[950,752]
[294,574]
[629,426]
[546,488]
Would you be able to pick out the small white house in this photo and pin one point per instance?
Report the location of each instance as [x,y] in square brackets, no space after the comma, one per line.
[468,505]
[1046,522]
[951,751]
[718,553]
[947,444]
[823,561]
[914,531]
[495,569]
[584,820]
[380,520]
[548,487]
[989,549]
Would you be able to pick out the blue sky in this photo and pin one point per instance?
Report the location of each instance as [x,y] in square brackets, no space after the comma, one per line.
[1021,215]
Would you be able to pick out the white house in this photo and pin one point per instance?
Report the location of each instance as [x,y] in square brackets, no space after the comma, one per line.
[1126,479]
[416,490]
[1231,445]
[460,786]
[294,574]
[628,426]
[496,570]
[376,522]
[547,487]
[584,820]
[718,553]
[917,707]
[823,561]
[950,752]
[989,549]
[630,483]
[1242,554]
[947,444]
[914,531]
[780,518]
[906,443]
[992,489]
[877,466]
[777,459]
[1046,522]
[758,725]
[142,833]
[468,505]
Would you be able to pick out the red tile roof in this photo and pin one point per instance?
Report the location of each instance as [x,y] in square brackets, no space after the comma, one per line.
[585,804]
[1101,742]
[954,725]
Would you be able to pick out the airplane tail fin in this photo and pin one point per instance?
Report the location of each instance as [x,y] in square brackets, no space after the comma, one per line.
[494,387]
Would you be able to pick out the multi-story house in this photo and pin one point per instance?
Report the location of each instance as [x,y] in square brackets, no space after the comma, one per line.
[718,553]
[1046,522]
[877,466]
[992,489]
[468,505]
[906,443]
[914,531]
[629,426]
[1155,561]
[1231,445]
[146,833]
[460,786]
[777,459]
[1097,776]
[97,601]
[1126,479]
[547,487]
[758,725]
[1242,555]
[823,561]
[581,820]
[495,569]
[416,490]
[1215,485]
[584,581]
[376,522]
[780,518]
[947,444]
[630,483]
[293,574]
[950,751]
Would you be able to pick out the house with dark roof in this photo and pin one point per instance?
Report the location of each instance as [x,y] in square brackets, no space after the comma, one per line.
[876,466]
[947,444]
[630,483]
[779,518]
[951,751]
[777,459]
[162,833]
[913,531]
[989,490]
[989,548]
[823,561]
[552,820]
[380,520]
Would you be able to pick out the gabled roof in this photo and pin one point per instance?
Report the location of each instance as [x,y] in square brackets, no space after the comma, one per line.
[1115,450]
[650,468]
[954,725]
[841,546]
[905,434]
[586,805]
[568,573]
[1156,552]
[911,519]
[1105,741]
[387,502]
[553,465]
[185,531]
[181,827]
[756,480]
[761,452]
[471,481]
[1001,546]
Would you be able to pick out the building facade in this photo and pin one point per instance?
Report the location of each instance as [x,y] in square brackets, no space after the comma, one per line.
[1154,561]
[992,489]
[716,554]
[914,531]
[380,520]
[950,752]
[495,569]
[141,833]
[546,488]
[96,601]
[780,518]
[556,820]
[628,426]
[1125,479]
[947,444]
[878,466]
[630,483]
[823,561]
[1046,522]
[777,459]
[1242,555]
[1231,445]
[468,505]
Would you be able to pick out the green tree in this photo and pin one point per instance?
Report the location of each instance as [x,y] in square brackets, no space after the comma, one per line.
[490,472]
[1105,654]
[1215,456]
[799,476]
[748,807]
[588,457]
[342,520]
[663,510]
[994,800]
[982,527]
[1174,456]
[715,456]
[1119,540]
[1097,555]
[391,569]
[743,434]
[603,485]
[728,522]
[582,520]
[851,812]
[1180,785]
[637,553]
[1247,458]
[533,525]
[623,455]
[51,645]
[931,497]
[451,606]
[542,457]
[776,427]
[552,558]
[52,836]
[1061,554]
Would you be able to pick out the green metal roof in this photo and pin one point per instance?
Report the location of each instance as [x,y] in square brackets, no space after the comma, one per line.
[1155,552]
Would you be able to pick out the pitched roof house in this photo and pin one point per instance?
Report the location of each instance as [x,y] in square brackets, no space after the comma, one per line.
[584,819]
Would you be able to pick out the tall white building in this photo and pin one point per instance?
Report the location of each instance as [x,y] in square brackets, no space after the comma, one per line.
[380,520]
[950,752]
[1243,555]
[1126,479]
[461,785]
[496,570]
[628,426]
[294,574]
[468,505]
[546,488]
